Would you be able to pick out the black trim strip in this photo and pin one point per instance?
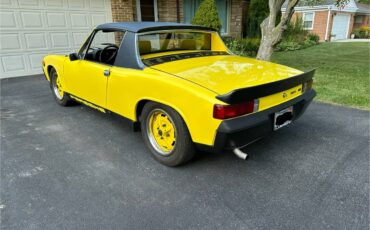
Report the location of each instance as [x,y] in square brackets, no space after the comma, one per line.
[251,93]
[87,103]
[181,56]
[135,125]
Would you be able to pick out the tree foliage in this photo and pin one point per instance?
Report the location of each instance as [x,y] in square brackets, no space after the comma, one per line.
[338,3]
[207,15]
[364,1]
[257,12]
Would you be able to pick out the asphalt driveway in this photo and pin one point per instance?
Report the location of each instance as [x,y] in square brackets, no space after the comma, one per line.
[76,168]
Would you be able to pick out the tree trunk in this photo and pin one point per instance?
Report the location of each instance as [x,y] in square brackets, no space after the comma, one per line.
[265,50]
[267,41]
[272,33]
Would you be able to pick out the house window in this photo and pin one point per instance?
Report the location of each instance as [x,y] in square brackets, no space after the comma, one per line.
[359,19]
[146,10]
[308,20]
[191,6]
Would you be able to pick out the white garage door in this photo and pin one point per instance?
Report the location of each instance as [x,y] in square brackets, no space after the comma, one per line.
[340,26]
[30,29]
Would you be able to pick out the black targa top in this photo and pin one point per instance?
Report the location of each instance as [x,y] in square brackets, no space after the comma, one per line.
[128,55]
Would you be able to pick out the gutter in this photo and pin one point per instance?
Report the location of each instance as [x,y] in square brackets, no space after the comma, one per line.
[327,24]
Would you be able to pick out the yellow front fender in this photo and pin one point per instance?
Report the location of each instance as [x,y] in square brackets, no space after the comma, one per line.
[56,62]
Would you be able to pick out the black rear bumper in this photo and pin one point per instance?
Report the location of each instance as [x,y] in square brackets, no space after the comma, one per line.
[241,131]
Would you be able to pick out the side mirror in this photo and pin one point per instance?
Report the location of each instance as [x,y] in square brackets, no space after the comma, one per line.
[73,57]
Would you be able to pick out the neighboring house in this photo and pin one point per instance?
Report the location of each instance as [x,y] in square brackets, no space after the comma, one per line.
[31,29]
[330,22]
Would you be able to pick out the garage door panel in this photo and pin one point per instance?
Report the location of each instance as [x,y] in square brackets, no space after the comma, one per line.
[79,38]
[29,3]
[35,60]
[56,19]
[97,19]
[76,4]
[59,40]
[30,29]
[340,26]
[32,19]
[7,19]
[10,42]
[96,4]
[79,20]
[13,63]
[35,41]
[1,66]
[54,3]
[7,3]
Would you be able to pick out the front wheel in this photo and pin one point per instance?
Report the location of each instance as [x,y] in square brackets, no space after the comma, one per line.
[166,134]
[60,96]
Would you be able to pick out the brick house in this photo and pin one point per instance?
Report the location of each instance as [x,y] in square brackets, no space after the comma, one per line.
[31,29]
[230,12]
[330,22]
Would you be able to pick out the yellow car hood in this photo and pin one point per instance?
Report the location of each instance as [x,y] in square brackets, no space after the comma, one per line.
[223,74]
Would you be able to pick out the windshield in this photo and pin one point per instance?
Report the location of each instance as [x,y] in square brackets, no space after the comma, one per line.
[174,41]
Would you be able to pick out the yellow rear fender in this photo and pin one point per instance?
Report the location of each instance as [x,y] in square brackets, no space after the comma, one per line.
[197,120]
[129,89]
[140,105]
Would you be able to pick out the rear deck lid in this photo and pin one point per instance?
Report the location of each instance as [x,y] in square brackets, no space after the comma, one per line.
[225,73]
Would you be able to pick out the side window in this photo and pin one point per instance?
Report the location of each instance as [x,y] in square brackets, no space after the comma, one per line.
[82,51]
[103,47]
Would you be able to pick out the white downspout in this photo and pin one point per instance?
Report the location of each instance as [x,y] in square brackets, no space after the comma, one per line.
[327,24]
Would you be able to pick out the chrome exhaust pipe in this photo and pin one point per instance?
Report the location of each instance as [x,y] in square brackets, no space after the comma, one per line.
[242,155]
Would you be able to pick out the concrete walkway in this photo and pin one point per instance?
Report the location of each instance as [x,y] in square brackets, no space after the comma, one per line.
[353,40]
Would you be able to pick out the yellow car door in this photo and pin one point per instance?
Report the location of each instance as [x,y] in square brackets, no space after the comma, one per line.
[88,72]
[87,80]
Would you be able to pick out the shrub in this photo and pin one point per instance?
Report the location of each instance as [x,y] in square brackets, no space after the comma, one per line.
[243,47]
[207,15]
[295,37]
[362,32]
[313,37]
[295,31]
[288,46]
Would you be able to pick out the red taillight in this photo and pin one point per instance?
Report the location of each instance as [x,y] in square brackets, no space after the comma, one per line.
[230,111]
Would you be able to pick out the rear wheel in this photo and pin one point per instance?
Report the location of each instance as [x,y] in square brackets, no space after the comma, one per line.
[60,96]
[166,134]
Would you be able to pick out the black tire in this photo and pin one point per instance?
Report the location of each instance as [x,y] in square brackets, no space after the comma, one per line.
[64,100]
[183,149]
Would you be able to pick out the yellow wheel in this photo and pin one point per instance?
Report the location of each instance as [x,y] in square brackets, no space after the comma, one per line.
[57,88]
[166,134]
[161,131]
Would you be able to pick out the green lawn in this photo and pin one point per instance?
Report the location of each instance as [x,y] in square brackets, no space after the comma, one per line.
[342,75]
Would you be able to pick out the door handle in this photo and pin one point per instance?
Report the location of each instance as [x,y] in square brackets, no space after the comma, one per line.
[106,72]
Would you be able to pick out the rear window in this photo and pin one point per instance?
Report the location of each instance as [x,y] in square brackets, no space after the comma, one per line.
[174,41]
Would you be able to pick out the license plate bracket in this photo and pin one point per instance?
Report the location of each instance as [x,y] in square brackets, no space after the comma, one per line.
[283,118]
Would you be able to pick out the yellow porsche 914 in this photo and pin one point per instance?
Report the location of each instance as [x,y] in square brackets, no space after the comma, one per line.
[181,86]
